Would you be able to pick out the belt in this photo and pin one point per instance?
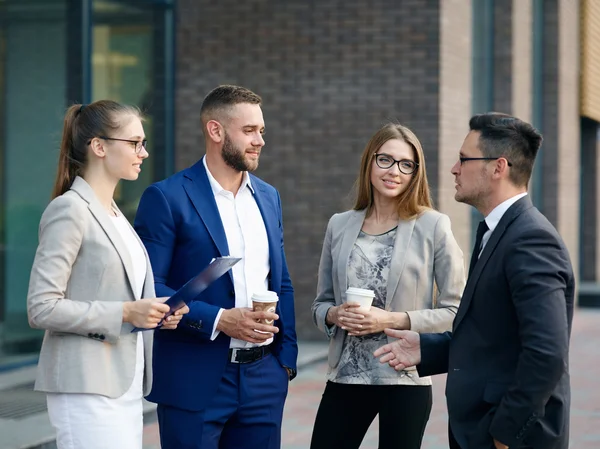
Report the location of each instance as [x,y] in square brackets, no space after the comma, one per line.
[248,355]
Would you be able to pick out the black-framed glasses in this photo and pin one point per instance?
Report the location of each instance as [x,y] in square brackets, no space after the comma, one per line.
[139,144]
[466,159]
[386,161]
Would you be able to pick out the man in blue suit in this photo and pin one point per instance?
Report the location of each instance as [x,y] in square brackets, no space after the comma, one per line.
[221,379]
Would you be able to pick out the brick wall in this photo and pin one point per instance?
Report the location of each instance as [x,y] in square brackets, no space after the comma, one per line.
[522,58]
[330,73]
[569,139]
[455,110]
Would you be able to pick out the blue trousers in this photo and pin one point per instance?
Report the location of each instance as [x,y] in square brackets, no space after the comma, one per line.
[245,412]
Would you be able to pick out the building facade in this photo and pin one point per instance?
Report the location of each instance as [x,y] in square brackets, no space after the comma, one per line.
[330,74]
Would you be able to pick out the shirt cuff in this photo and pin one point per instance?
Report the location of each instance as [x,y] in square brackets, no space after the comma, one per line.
[329,330]
[215,332]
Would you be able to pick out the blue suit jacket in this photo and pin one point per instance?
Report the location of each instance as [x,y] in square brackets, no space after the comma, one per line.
[180,225]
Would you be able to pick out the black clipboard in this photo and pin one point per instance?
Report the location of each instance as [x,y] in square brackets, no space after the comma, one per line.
[192,288]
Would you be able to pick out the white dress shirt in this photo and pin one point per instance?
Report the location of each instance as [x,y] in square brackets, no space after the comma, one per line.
[246,238]
[495,216]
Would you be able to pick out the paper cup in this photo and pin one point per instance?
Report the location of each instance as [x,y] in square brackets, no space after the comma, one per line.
[265,301]
[360,296]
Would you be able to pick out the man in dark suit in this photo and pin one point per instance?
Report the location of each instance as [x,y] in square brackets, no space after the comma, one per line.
[222,379]
[507,354]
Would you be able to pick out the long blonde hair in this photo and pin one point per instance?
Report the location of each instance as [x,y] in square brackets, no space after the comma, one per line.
[416,197]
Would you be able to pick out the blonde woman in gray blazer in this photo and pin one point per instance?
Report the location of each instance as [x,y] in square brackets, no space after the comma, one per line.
[87,282]
[396,245]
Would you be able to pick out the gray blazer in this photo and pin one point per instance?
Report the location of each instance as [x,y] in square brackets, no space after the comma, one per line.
[81,275]
[425,255]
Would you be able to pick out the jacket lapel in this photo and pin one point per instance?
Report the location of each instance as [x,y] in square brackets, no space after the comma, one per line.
[351,232]
[83,189]
[271,221]
[199,191]
[401,245]
[509,216]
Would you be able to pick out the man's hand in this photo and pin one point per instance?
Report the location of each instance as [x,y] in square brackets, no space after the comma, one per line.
[402,353]
[499,445]
[242,323]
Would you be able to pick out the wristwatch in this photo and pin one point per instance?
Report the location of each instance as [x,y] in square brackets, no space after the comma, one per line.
[291,372]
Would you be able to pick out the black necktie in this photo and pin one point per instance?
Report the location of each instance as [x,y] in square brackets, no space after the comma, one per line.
[481,229]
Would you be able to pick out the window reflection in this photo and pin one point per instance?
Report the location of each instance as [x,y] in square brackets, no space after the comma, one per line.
[121,71]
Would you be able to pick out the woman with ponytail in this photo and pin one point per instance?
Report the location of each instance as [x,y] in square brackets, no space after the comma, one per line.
[91,284]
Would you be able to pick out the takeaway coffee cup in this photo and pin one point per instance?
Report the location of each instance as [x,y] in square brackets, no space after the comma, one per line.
[360,296]
[265,301]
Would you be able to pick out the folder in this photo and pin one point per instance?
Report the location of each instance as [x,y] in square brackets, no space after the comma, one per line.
[192,288]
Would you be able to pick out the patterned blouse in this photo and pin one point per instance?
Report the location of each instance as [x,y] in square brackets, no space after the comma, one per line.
[368,267]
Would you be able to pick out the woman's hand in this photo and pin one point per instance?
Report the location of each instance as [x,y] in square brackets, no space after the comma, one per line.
[171,322]
[375,321]
[337,314]
[145,313]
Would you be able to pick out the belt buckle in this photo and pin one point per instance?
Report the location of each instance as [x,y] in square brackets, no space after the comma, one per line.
[233,358]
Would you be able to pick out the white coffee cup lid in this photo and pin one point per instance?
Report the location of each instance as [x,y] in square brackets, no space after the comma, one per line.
[360,291]
[265,296]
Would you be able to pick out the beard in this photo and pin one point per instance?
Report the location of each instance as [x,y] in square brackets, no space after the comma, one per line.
[480,191]
[234,157]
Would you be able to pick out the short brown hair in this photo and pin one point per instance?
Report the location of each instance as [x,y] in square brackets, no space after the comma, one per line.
[222,98]
[416,197]
[502,135]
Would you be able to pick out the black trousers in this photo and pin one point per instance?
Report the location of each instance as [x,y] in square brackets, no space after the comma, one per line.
[347,411]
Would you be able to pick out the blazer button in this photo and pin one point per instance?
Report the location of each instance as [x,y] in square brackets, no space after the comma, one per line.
[91,335]
[96,336]
[102,337]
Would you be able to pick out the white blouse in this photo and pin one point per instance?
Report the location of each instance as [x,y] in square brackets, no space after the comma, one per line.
[93,421]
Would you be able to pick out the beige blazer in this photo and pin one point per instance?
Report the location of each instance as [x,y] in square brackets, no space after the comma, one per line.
[81,275]
[425,255]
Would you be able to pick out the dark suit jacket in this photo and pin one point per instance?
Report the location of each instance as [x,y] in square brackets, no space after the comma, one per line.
[179,223]
[507,355]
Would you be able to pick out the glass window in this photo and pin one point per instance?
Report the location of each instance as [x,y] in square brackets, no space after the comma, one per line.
[32,101]
[131,62]
[125,38]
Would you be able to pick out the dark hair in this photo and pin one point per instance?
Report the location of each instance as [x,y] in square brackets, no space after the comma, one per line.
[416,197]
[502,135]
[82,124]
[222,98]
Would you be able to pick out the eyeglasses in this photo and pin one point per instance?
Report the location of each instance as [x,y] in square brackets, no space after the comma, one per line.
[139,144]
[466,159]
[386,161]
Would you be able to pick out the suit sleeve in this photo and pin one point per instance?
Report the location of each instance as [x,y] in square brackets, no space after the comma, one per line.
[325,297]
[289,345]
[449,275]
[157,229]
[435,349]
[537,268]
[61,234]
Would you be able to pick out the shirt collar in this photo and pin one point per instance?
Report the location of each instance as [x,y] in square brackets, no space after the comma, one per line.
[217,188]
[496,214]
